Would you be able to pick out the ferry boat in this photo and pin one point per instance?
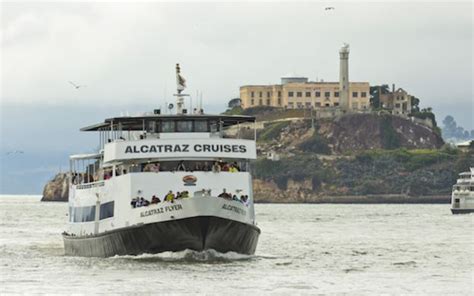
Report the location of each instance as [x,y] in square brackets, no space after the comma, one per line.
[462,198]
[164,182]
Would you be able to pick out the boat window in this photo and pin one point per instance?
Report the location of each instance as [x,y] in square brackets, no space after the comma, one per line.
[184,126]
[106,210]
[213,125]
[83,214]
[152,126]
[168,126]
[200,126]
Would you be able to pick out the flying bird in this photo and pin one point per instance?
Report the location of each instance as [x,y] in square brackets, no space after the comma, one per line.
[329,8]
[15,152]
[76,86]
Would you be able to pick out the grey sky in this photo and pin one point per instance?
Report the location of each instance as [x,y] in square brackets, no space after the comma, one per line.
[125,53]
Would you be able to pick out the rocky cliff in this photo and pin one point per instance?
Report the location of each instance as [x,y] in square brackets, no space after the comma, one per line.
[356,157]
[347,134]
[56,189]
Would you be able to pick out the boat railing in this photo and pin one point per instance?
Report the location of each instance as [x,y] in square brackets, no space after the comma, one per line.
[90,185]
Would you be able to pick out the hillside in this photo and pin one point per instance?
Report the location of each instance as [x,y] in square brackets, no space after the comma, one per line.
[347,134]
[385,157]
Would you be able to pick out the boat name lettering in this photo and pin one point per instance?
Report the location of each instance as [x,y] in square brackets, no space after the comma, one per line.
[185,148]
[234,209]
[161,210]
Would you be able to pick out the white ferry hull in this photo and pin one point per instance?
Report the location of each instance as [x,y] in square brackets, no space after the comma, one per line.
[194,233]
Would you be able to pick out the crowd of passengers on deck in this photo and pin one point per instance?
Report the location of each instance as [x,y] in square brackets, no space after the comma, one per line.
[182,166]
[171,197]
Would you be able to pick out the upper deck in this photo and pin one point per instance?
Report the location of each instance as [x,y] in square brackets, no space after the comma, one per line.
[157,123]
[176,136]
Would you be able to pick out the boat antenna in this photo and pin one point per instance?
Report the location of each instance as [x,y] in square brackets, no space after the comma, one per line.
[200,102]
[180,86]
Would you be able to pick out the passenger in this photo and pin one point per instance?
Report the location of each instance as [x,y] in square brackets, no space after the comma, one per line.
[133,203]
[181,166]
[245,199]
[147,167]
[206,167]
[233,169]
[216,167]
[236,166]
[197,167]
[145,203]
[234,197]
[225,167]
[178,195]
[185,194]
[74,178]
[155,200]
[139,202]
[156,167]
[169,197]
[225,195]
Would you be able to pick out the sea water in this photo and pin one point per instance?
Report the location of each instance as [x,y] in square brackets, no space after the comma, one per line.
[303,249]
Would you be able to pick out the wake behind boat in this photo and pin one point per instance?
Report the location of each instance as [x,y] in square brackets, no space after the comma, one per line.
[164,183]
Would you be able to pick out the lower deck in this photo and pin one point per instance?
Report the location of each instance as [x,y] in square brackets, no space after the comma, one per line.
[144,198]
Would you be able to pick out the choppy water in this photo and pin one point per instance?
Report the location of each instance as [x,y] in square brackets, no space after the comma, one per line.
[303,249]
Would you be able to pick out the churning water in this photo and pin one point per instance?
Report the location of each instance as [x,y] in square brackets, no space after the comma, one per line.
[303,249]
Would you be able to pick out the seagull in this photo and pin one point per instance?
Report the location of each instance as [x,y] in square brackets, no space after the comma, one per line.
[15,152]
[329,8]
[76,85]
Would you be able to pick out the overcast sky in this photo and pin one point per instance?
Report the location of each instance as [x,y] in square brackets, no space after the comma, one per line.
[125,54]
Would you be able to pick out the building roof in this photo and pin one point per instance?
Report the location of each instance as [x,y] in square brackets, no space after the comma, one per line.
[136,122]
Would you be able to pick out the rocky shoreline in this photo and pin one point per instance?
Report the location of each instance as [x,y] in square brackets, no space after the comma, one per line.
[57,190]
[369,199]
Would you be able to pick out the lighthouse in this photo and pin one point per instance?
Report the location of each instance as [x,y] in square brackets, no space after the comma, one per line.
[344,77]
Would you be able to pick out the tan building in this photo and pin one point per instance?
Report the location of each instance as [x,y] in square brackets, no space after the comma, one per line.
[398,101]
[297,92]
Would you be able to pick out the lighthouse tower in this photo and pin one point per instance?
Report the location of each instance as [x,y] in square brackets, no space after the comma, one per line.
[344,77]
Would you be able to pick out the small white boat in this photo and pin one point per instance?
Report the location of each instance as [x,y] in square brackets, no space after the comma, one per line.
[462,199]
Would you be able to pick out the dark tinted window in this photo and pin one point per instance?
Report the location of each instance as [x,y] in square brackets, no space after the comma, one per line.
[167,126]
[152,127]
[184,126]
[201,125]
[106,210]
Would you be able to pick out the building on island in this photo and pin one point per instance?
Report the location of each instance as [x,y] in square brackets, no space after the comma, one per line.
[296,92]
[398,101]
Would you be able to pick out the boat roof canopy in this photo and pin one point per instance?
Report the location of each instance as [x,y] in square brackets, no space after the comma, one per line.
[85,156]
[135,123]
